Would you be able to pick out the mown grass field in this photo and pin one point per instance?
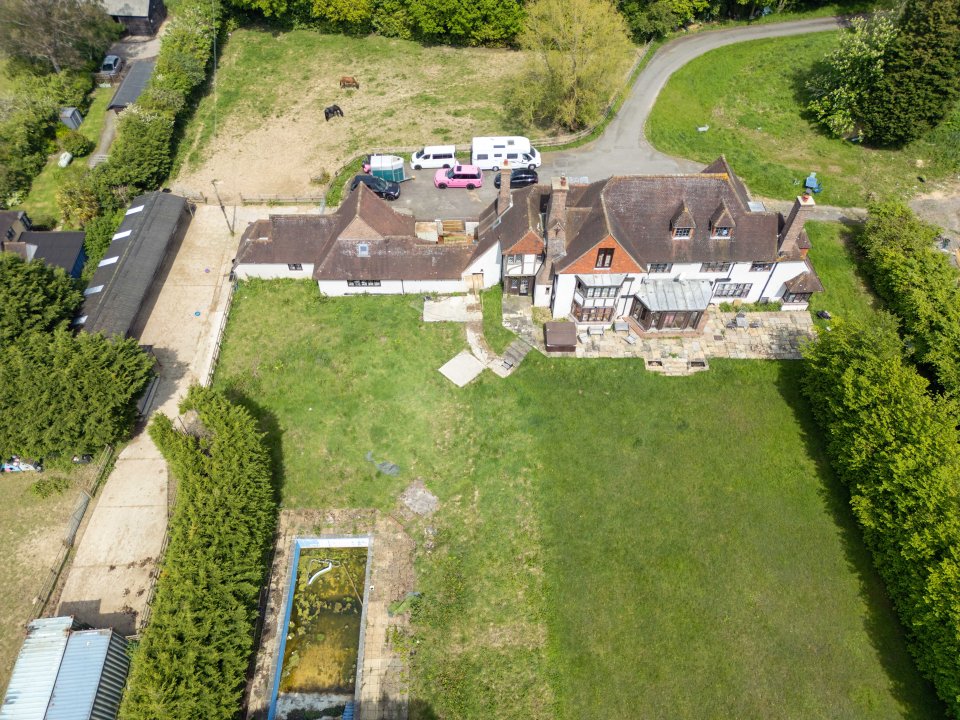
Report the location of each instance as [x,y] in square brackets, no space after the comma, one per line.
[752,95]
[41,201]
[610,543]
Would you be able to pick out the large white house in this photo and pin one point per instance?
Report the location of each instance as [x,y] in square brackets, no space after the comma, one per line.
[654,250]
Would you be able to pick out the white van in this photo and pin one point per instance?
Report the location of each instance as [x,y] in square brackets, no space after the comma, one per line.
[490,153]
[434,156]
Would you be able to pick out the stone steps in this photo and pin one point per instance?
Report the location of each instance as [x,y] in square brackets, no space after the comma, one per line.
[677,367]
[516,352]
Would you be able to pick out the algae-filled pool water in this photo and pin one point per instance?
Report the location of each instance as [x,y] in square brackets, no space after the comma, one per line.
[323,635]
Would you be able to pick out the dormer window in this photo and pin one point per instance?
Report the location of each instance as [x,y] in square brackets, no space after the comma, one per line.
[721,223]
[682,224]
[604,258]
[363,250]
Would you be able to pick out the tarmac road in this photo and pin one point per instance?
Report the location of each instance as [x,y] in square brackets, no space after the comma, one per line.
[623,148]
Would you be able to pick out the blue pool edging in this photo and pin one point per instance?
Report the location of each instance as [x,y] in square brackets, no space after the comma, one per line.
[309,543]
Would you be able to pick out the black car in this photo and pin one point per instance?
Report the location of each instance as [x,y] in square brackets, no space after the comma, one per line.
[519,177]
[387,189]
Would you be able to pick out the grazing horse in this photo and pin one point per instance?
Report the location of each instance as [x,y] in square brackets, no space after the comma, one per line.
[348,81]
[332,111]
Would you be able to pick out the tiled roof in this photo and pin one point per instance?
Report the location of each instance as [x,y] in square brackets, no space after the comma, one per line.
[521,217]
[331,243]
[639,210]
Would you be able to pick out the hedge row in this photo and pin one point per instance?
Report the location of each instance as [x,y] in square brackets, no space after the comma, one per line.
[894,445]
[918,284]
[194,654]
[141,155]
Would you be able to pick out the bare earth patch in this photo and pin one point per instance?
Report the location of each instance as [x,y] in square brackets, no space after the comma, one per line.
[270,133]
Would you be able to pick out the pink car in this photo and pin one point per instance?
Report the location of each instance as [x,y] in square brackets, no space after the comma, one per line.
[468,176]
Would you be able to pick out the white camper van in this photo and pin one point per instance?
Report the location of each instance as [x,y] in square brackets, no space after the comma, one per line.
[434,156]
[490,153]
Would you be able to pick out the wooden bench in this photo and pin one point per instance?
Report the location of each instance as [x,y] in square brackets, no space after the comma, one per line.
[595,330]
[621,326]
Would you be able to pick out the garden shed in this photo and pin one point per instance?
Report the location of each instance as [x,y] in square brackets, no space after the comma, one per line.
[139,17]
[65,673]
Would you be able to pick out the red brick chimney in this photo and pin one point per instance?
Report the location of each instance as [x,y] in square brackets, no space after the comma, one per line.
[556,231]
[503,199]
[793,226]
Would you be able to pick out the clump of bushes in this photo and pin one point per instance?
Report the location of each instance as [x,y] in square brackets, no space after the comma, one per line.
[75,143]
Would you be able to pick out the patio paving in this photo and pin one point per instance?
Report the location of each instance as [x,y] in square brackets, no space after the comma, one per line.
[455,308]
[463,368]
[777,336]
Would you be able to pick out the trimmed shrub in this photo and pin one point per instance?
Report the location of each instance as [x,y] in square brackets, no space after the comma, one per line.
[895,447]
[194,654]
[918,284]
[76,144]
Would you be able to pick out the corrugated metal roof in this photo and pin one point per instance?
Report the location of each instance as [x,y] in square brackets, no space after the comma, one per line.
[141,244]
[677,295]
[79,681]
[35,672]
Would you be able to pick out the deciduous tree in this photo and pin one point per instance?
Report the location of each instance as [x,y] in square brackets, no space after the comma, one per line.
[841,89]
[579,51]
[58,34]
[921,74]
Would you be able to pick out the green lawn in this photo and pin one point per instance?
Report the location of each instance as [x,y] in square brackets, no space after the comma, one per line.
[751,95]
[496,335]
[846,294]
[42,198]
[610,543]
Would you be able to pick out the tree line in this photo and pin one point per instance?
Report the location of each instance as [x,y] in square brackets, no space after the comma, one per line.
[60,393]
[193,656]
[892,432]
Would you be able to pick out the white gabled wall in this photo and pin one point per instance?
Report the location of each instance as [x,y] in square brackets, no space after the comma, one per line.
[764,284]
[488,264]
[272,271]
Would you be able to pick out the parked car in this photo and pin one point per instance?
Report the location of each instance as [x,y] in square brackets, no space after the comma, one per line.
[111,65]
[468,176]
[434,156]
[519,177]
[386,189]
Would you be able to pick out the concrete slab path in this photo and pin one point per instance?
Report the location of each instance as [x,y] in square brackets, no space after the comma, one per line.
[110,579]
[463,368]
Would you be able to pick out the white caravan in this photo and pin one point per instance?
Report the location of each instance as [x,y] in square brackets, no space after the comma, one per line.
[491,153]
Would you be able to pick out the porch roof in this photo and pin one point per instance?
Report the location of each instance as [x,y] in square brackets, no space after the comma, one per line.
[675,295]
